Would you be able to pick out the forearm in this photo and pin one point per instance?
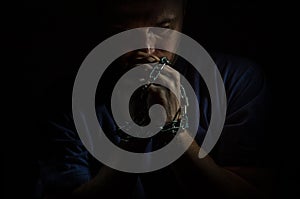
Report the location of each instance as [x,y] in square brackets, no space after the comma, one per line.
[211,177]
[107,183]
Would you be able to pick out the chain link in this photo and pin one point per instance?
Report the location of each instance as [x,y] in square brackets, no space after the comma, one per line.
[184,123]
[154,74]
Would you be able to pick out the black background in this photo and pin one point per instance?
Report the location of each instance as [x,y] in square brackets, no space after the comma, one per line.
[51,39]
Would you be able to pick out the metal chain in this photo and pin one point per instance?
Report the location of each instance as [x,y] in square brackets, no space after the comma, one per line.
[184,123]
[154,74]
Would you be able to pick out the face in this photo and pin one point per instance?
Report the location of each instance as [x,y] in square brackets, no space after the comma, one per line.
[147,13]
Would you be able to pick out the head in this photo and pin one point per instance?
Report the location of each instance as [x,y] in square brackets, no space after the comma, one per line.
[121,15]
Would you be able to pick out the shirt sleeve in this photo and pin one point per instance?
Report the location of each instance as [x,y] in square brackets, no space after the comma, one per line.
[243,136]
[65,162]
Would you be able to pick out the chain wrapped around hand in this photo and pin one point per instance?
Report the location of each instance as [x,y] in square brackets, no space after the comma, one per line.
[176,124]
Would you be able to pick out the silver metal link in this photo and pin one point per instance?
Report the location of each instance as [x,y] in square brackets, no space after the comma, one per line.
[156,72]
[184,123]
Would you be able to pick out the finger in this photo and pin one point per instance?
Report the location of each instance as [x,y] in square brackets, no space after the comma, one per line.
[168,77]
[173,85]
[163,96]
[171,72]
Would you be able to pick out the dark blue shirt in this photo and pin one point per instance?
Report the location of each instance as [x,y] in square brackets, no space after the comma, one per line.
[66,164]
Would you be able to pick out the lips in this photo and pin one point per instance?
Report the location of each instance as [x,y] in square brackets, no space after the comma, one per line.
[143,58]
[134,58]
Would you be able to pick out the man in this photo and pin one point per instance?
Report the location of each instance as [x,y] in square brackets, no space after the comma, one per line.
[230,170]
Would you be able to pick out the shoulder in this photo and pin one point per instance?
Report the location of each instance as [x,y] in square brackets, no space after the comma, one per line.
[233,68]
[243,78]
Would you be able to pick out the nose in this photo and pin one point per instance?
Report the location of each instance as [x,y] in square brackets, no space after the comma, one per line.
[150,41]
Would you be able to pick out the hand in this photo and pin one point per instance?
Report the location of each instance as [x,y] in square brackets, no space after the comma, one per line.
[155,93]
[162,91]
